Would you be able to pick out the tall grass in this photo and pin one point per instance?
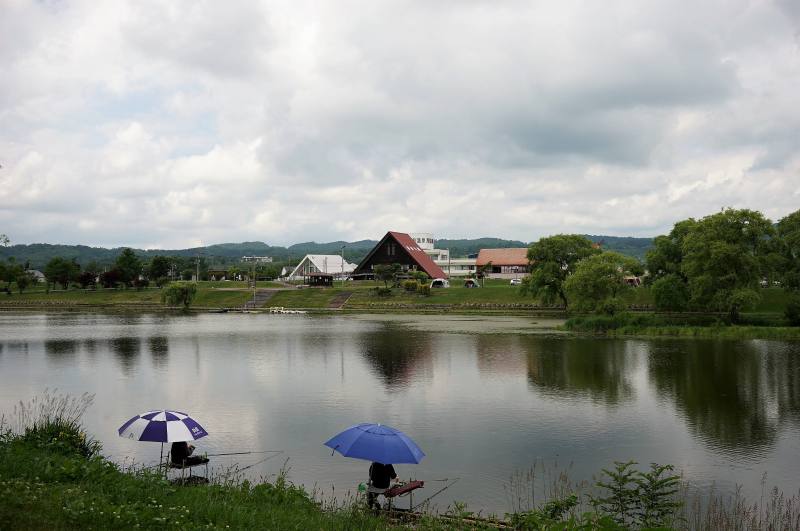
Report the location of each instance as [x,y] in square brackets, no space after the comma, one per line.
[53,420]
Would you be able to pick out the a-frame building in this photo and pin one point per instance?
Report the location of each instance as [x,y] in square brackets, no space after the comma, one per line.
[399,248]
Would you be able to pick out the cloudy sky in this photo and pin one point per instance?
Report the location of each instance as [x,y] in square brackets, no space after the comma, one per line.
[173,124]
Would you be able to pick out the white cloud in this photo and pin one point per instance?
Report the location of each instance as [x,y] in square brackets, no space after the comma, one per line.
[147,123]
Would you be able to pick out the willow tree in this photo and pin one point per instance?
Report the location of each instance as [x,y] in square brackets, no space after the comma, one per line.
[179,294]
[552,260]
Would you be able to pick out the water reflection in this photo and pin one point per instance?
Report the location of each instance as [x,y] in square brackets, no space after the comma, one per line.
[159,351]
[576,368]
[395,355]
[720,388]
[502,354]
[127,352]
[61,351]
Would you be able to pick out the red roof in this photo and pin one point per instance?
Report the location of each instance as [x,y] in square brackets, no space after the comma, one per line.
[423,260]
[512,256]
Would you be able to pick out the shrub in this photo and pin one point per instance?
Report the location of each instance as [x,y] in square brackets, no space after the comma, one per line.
[179,294]
[383,292]
[424,290]
[639,499]
[410,285]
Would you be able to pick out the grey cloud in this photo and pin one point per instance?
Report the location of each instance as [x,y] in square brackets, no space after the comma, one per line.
[304,120]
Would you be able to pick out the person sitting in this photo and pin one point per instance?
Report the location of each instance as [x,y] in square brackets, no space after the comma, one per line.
[181,455]
[380,476]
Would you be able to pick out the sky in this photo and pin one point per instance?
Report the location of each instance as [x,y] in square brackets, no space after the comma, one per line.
[176,124]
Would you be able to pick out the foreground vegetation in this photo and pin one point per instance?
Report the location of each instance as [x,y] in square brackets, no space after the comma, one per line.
[52,476]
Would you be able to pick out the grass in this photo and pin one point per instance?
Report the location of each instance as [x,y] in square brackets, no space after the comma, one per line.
[207,296]
[683,325]
[52,477]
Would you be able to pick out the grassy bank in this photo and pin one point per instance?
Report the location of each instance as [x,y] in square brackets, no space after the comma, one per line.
[755,326]
[52,476]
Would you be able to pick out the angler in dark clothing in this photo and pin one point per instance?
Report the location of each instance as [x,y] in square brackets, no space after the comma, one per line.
[380,476]
[181,455]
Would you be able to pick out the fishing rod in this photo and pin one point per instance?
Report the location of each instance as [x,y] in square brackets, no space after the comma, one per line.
[247,453]
[426,500]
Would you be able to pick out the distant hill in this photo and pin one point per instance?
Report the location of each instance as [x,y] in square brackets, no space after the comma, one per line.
[38,254]
[635,247]
[467,247]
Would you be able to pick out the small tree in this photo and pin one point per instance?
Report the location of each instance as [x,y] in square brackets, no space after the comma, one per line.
[110,279]
[599,282]
[62,271]
[86,279]
[179,294]
[387,273]
[159,267]
[24,279]
[129,266]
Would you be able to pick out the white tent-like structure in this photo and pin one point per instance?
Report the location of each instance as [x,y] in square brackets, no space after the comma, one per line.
[321,263]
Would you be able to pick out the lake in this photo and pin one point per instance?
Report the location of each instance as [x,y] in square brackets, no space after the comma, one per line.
[484,397]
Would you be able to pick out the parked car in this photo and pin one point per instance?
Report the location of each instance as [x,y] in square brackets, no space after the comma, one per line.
[471,283]
[440,283]
[516,281]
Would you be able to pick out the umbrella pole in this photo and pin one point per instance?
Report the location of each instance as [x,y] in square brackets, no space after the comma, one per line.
[161,459]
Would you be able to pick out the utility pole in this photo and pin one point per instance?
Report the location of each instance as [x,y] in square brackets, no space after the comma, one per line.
[342,249]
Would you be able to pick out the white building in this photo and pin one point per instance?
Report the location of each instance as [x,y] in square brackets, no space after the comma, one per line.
[257,259]
[457,267]
[321,263]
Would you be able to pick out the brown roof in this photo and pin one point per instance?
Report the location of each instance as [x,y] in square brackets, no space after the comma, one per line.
[513,256]
[423,261]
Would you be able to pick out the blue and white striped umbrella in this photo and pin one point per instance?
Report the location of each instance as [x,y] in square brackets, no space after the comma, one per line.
[162,426]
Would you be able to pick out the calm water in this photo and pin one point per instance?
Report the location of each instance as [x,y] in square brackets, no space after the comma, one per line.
[483,397]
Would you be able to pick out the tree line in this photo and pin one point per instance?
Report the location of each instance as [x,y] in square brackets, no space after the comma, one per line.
[128,270]
[714,264]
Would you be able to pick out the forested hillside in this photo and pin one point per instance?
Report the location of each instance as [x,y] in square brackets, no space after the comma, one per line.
[38,254]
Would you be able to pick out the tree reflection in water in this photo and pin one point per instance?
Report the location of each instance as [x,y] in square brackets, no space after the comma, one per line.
[126,350]
[396,356]
[732,394]
[61,351]
[579,367]
[159,351]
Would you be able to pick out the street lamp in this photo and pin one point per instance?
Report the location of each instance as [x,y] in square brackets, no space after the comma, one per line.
[342,250]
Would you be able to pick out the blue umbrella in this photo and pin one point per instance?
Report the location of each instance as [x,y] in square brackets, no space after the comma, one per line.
[376,442]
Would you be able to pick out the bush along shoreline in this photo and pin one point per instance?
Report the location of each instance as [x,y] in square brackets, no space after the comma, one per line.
[53,476]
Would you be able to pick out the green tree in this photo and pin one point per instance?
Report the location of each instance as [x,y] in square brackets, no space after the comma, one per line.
[23,279]
[789,236]
[666,255]
[723,260]
[599,282]
[179,294]
[159,267]
[62,271]
[387,273]
[552,261]
[129,266]
[670,293]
